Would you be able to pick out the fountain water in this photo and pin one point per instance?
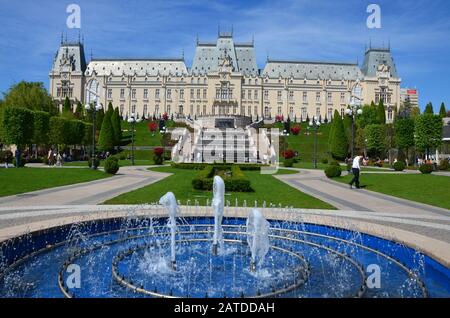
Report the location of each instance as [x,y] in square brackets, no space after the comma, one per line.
[257,237]
[170,203]
[218,207]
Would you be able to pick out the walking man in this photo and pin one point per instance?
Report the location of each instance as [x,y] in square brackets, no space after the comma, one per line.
[356,168]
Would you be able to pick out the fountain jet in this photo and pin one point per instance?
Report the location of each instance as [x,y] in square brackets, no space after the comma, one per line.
[218,207]
[257,237]
[170,204]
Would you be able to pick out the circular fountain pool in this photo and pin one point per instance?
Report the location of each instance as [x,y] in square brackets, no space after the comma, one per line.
[130,257]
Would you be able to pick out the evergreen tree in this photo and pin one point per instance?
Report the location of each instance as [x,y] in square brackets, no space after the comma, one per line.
[79,112]
[442,111]
[347,121]
[117,126]
[106,140]
[376,139]
[339,145]
[99,119]
[429,109]
[331,135]
[67,108]
[381,113]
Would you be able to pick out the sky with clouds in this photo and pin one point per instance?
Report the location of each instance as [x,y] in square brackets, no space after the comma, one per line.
[417,30]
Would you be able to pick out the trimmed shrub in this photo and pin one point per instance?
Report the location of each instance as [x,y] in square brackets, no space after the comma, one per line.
[295,130]
[111,165]
[201,166]
[324,161]
[236,183]
[333,171]
[399,166]
[288,154]
[444,165]
[288,163]
[94,161]
[426,168]
[158,155]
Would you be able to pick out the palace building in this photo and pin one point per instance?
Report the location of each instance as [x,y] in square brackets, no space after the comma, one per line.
[223,80]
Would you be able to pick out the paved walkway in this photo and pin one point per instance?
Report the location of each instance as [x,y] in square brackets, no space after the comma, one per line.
[94,192]
[315,183]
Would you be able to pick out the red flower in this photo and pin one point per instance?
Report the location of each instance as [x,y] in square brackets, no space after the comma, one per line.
[165,116]
[295,130]
[279,118]
[158,151]
[152,126]
[288,154]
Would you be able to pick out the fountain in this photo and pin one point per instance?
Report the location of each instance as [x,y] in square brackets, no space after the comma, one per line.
[170,203]
[218,207]
[257,237]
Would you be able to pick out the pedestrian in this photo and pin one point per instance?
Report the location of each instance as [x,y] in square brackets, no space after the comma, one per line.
[356,168]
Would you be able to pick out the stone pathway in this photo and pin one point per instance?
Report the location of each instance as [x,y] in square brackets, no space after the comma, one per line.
[94,192]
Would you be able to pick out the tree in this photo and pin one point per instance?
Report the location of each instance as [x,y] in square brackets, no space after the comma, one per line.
[17,126]
[76,129]
[41,127]
[369,116]
[67,108]
[404,134]
[376,139]
[381,113]
[59,131]
[429,109]
[428,132]
[87,138]
[30,95]
[442,111]
[99,116]
[339,145]
[347,121]
[79,111]
[117,126]
[106,140]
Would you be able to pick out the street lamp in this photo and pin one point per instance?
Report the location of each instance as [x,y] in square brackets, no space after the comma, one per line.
[97,107]
[132,120]
[314,123]
[353,111]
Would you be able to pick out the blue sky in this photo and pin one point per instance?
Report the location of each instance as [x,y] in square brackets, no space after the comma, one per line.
[419,33]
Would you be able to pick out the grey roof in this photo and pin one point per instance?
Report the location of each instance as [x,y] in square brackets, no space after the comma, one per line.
[311,70]
[70,57]
[208,55]
[375,57]
[139,67]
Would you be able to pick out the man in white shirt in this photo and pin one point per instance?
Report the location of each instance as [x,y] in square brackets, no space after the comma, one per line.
[356,168]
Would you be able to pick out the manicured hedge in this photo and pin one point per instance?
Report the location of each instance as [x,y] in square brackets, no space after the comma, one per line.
[111,165]
[426,168]
[333,171]
[200,166]
[399,166]
[238,182]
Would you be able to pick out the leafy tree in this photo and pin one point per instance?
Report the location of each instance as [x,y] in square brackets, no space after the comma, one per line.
[339,145]
[442,111]
[376,139]
[79,111]
[429,109]
[360,140]
[117,126]
[41,127]
[369,116]
[76,130]
[106,140]
[31,95]
[59,131]
[404,133]
[381,113]
[428,132]
[17,126]
[87,138]
[67,108]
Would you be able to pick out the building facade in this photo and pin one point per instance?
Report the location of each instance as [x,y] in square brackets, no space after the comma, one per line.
[409,95]
[224,79]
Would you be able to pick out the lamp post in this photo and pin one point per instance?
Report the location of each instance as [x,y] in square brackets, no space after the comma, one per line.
[97,107]
[314,123]
[132,120]
[353,111]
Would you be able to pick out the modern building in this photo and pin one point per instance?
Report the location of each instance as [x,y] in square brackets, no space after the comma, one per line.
[410,95]
[224,79]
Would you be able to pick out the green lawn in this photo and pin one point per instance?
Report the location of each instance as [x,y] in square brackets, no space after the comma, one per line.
[142,137]
[429,189]
[122,163]
[15,181]
[266,187]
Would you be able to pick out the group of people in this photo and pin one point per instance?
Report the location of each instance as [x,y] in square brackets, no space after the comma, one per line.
[55,158]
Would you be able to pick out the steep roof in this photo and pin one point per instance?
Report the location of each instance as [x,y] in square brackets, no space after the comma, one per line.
[375,57]
[70,57]
[311,70]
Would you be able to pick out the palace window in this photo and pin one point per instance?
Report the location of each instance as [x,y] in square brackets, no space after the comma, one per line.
[133,109]
[58,92]
[305,97]
[317,112]
[304,113]
[157,109]
[204,93]
[330,97]
[198,93]
[230,93]
[198,110]
[291,111]
[249,94]
[243,94]
[330,113]
[390,114]
[342,112]
[122,93]
[291,95]
[157,93]
[181,94]
[318,97]
[279,111]
[145,93]
[279,94]
[133,94]
[109,93]
[255,95]
[217,93]
[255,109]
[168,110]
[249,111]
[121,107]
[342,97]
[145,110]
[169,93]
[204,109]
[266,95]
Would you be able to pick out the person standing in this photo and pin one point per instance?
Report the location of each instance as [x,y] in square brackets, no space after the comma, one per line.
[356,168]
